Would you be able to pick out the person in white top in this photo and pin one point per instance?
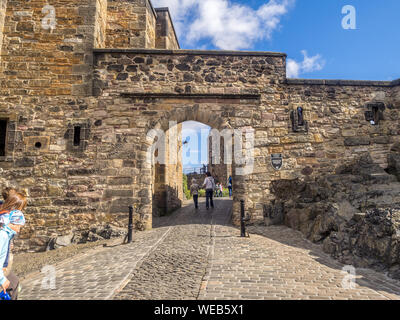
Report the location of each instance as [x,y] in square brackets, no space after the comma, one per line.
[209,185]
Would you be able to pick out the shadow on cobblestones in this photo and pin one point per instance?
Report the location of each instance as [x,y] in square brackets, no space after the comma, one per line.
[367,278]
[175,269]
[295,267]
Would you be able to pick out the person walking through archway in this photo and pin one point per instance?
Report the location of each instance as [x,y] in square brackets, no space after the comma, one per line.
[209,185]
[194,190]
[230,186]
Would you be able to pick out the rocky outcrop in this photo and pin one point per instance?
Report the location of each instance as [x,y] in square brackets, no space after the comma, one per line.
[368,240]
[354,214]
[98,233]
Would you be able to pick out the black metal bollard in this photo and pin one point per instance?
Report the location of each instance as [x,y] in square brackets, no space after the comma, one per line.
[242,220]
[130,224]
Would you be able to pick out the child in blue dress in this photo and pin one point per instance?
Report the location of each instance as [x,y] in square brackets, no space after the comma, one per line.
[11,221]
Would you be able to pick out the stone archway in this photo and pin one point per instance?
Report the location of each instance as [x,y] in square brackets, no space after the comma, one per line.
[200,113]
[215,118]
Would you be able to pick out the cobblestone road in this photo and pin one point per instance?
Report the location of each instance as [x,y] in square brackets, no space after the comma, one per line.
[198,255]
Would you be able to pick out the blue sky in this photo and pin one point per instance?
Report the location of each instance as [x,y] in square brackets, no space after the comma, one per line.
[195,152]
[309,31]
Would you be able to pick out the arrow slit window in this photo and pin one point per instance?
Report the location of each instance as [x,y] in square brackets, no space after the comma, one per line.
[77,136]
[299,124]
[3,137]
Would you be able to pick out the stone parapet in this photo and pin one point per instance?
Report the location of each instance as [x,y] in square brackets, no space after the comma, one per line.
[192,52]
[166,37]
[361,83]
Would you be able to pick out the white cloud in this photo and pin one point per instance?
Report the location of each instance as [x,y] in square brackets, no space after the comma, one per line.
[180,11]
[229,25]
[309,64]
[292,68]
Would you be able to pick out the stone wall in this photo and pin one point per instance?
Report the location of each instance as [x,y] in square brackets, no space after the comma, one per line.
[44,70]
[337,132]
[131,24]
[166,36]
[336,115]
[220,171]
[151,21]
[100,24]
[3,7]
[40,61]
[174,171]
[167,177]
[396,94]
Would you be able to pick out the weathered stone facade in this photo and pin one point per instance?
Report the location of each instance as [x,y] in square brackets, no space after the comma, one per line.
[3,4]
[220,170]
[80,99]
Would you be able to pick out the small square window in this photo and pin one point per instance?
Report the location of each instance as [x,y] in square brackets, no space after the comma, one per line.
[374,113]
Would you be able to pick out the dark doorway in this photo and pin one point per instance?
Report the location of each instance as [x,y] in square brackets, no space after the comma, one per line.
[3,135]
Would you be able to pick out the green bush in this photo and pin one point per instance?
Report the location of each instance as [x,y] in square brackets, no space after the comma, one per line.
[225,192]
[202,193]
[186,191]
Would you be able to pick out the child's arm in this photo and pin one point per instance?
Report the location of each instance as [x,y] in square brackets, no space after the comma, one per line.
[3,254]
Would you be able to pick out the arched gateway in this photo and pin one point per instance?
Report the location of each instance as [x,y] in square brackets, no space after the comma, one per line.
[165,188]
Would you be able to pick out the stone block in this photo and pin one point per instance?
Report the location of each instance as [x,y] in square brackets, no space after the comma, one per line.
[357,141]
[116,181]
[110,193]
[40,144]
[24,162]
[348,133]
